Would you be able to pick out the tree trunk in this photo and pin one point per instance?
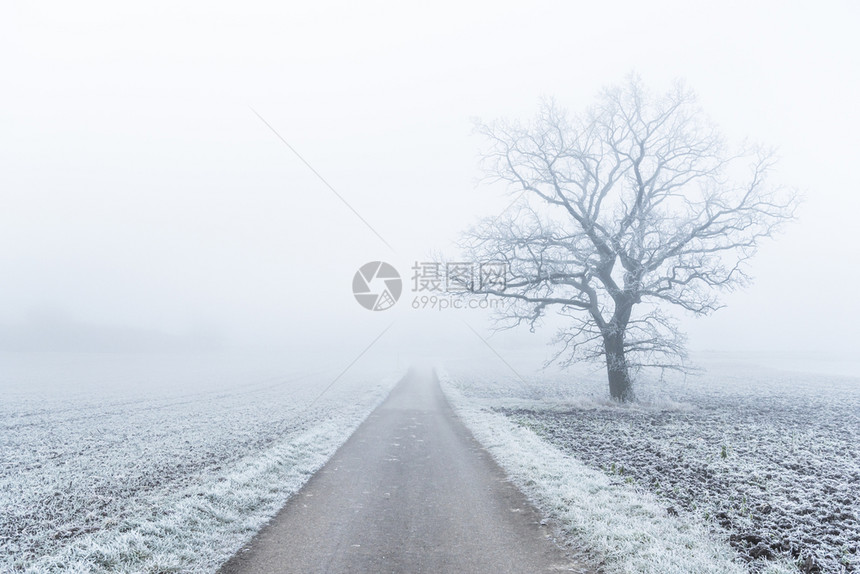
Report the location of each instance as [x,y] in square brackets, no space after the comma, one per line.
[616,366]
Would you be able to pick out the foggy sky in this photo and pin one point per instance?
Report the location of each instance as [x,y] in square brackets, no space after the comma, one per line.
[140,192]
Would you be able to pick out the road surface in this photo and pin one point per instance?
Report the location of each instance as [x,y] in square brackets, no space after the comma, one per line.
[410,491]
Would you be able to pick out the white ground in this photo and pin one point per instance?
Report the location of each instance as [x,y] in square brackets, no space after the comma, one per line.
[158,463]
[116,463]
[646,488]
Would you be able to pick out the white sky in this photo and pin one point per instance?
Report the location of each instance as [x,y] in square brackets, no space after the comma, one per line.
[139,189]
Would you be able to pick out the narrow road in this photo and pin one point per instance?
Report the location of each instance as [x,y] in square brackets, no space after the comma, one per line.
[410,491]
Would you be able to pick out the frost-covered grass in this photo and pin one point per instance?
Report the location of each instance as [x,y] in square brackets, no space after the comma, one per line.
[159,463]
[760,462]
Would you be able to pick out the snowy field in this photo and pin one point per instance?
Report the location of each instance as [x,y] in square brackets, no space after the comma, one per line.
[761,461]
[136,463]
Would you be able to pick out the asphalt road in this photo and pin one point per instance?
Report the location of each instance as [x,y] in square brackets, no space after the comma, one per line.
[410,491]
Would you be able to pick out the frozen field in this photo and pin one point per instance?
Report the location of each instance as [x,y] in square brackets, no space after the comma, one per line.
[135,463]
[767,461]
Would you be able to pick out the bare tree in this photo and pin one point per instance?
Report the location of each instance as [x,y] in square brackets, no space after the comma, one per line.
[631,206]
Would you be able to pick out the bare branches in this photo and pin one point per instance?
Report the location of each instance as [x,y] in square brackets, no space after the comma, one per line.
[635,201]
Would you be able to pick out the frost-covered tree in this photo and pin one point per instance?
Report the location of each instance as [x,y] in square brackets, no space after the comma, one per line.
[631,206]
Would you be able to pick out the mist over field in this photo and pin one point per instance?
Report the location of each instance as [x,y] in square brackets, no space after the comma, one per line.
[227,233]
[140,192]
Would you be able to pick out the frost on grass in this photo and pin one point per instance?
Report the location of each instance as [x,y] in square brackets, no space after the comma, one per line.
[161,480]
[759,463]
[779,474]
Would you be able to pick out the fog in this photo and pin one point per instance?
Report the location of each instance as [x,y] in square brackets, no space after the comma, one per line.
[145,205]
